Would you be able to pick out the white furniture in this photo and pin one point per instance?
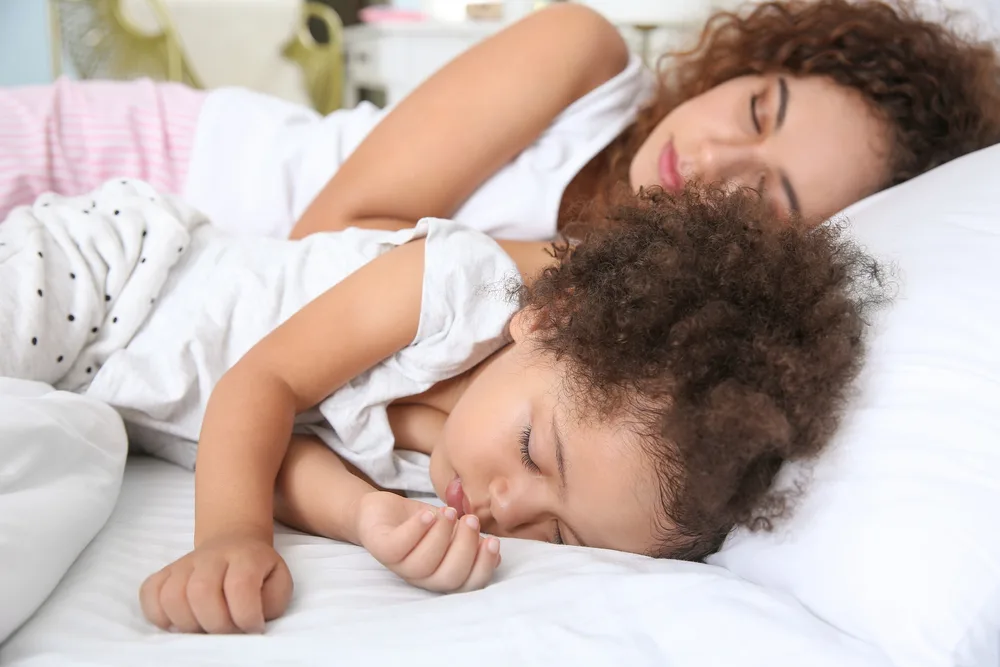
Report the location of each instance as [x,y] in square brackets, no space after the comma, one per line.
[385,61]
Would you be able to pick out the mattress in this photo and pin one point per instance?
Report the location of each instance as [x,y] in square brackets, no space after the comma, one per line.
[549,604]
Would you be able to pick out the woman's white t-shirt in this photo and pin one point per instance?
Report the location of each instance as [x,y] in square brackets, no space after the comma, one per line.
[258,162]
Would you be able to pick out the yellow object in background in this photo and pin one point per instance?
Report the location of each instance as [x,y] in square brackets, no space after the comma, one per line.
[102,43]
[322,64]
[129,39]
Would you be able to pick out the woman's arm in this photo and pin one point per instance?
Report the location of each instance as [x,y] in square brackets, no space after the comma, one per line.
[468,120]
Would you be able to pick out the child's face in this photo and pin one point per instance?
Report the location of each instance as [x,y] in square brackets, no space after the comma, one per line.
[575,482]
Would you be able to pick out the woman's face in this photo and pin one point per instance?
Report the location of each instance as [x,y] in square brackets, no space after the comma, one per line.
[812,146]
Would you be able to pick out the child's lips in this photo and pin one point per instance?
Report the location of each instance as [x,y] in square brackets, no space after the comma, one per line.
[454,495]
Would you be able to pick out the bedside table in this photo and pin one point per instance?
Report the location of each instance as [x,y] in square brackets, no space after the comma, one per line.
[385,61]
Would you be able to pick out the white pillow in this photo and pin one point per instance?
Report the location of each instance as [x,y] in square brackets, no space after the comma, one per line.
[897,538]
[61,463]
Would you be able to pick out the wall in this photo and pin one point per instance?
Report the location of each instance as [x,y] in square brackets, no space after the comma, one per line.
[24,42]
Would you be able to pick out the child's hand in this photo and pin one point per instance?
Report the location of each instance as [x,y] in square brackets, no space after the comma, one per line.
[423,544]
[226,585]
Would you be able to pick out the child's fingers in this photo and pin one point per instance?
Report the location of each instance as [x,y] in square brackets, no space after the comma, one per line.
[149,599]
[173,597]
[457,563]
[276,593]
[242,587]
[487,560]
[204,595]
[396,542]
[426,556]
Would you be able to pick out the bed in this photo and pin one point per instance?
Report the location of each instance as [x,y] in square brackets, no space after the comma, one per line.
[549,605]
[891,558]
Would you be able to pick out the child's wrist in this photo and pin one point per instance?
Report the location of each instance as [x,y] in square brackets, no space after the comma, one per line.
[244,529]
[352,515]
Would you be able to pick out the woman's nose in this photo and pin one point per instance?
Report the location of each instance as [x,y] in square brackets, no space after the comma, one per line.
[717,161]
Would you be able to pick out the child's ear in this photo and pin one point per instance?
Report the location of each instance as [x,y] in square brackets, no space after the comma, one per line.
[524,323]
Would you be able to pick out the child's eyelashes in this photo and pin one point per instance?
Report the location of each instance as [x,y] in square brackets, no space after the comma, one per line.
[532,467]
[525,439]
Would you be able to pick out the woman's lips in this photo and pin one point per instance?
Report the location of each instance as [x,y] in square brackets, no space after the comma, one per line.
[454,495]
[670,177]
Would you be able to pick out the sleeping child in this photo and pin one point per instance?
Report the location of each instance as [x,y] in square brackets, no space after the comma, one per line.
[635,390]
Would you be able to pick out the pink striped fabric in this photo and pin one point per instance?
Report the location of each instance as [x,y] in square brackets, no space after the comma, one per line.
[71,136]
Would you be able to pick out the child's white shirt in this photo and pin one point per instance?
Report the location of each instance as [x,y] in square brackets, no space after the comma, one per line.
[185,302]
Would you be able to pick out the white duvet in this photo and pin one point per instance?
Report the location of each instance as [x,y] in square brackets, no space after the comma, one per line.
[550,604]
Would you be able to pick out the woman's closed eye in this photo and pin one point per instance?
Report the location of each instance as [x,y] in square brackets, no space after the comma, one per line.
[754,113]
[532,467]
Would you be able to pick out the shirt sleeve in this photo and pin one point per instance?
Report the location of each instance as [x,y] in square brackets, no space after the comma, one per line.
[469,295]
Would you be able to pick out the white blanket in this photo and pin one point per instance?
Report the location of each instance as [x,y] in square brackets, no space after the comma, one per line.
[550,605]
[61,461]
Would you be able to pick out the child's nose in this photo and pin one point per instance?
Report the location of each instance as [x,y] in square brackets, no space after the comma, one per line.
[515,508]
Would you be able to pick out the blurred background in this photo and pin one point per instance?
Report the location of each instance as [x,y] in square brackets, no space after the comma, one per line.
[324,53]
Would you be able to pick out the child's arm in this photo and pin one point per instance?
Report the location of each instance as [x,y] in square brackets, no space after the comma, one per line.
[321,494]
[468,120]
[234,579]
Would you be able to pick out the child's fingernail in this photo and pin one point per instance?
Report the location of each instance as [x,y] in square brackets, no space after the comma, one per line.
[427,517]
[493,545]
[472,521]
[451,513]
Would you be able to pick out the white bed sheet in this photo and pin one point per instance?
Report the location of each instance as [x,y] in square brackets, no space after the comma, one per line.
[549,605]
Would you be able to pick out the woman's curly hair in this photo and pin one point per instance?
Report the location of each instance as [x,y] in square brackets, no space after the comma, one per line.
[938,91]
[727,339]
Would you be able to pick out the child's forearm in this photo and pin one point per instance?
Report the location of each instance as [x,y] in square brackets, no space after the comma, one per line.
[317,492]
[243,442]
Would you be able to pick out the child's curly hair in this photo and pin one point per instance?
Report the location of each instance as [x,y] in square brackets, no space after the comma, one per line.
[727,339]
[938,90]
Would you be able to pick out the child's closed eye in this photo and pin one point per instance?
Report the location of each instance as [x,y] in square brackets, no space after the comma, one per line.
[531,466]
